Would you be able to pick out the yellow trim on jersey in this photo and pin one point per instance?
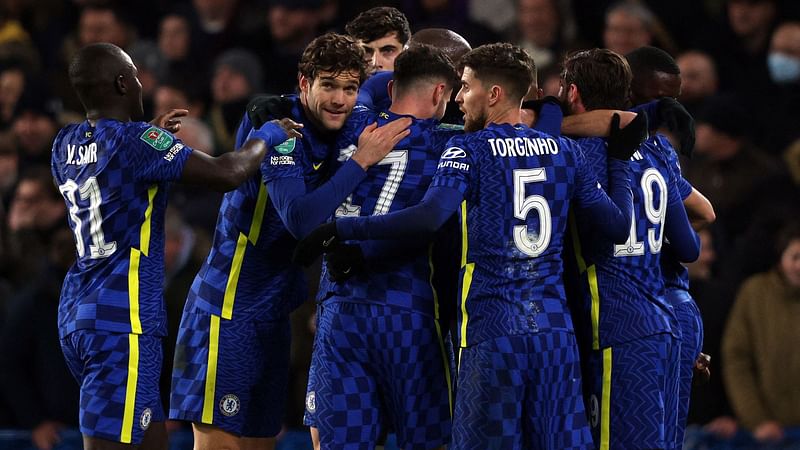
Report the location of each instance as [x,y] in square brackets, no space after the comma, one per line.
[465,284]
[605,405]
[211,371]
[144,234]
[238,255]
[130,389]
[594,290]
[439,331]
[466,281]
[591,278]
[133,291]
[258,214]
[233,277]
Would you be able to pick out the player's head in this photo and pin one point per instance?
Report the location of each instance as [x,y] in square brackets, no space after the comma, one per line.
[495,76]
[383,31]
[330,71]
[451,43]
[105,80]
[655,75]
[427,74]
[595,79]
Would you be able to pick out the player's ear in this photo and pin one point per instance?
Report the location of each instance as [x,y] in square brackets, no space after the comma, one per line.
[438,93]
[495,92]
[390,88]
[573,94]
[120,85]
[304,83]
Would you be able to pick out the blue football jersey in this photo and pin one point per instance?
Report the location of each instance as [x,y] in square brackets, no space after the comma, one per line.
[675,274]
[518,184]
[248,272]
[397,182]
[620,287]
[114,179]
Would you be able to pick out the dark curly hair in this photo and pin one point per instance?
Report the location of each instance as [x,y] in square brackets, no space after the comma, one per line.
[335,53]
[423,62]
[377,22]
[504,64]
[603,78]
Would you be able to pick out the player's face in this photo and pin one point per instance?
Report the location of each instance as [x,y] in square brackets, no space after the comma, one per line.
[472,100]
[659,85]
[329,98]
[790,263]
[381,53]
[134,86]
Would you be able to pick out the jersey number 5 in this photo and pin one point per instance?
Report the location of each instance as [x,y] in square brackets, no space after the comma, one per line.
[651,178]
[90,190]
[526,241]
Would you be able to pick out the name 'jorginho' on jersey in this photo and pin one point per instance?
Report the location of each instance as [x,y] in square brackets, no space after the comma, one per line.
[518,184]
[113,177]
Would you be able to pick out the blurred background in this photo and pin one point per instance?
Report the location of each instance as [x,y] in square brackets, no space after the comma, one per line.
[740,68]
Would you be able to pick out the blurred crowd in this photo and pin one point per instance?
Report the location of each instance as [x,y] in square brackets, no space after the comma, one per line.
[740,70]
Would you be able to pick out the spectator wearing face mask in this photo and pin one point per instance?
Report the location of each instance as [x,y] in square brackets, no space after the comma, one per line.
[784,71]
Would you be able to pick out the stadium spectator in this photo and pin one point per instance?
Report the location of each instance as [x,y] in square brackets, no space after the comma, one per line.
[12,84]
[538,30]
[450,14]
[760,344]
[33,375]
[9,169]
[784,69]
[628,27]
[177,92]
[34,125]
[289,25]
[175,39]
[727,167]
[698,79]
[383,32]
[237,76]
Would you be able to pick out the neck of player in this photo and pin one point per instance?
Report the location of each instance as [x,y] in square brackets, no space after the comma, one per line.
[503,112]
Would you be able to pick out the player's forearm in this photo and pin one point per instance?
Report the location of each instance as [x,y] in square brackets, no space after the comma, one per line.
[700,210]
[594,123]
[685,242]
[612,215]
[302,211]
[225,172]
[422,219]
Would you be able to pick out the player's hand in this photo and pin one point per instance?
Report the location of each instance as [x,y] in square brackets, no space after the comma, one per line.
[531,110]
[170,120]
[623,142]
[345,261]
[677,120]
[264,108]
[724,427]
[702,368]
[376,142]
[276,131]
[768,431]
[46,435]
[321,240]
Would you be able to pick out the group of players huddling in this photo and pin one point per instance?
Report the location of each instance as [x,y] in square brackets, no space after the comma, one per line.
[552,264]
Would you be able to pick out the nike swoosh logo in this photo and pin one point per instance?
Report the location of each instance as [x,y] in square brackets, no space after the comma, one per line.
[328,241]
[316,166]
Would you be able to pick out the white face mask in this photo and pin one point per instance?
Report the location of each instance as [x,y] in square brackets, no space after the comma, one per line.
[783,69]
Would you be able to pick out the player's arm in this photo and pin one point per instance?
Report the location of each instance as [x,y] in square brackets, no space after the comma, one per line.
[611,212]
[301,211]
[594,123]
[700,210]
[375,90]
[229,170]
[668,113]
[422,219]
[544,115]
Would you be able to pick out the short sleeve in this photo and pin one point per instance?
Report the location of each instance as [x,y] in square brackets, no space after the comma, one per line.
[456,168]
[155,153]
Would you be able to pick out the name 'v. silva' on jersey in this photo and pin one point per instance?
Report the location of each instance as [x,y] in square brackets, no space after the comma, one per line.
[517,184]
[114,179]
[398,181]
